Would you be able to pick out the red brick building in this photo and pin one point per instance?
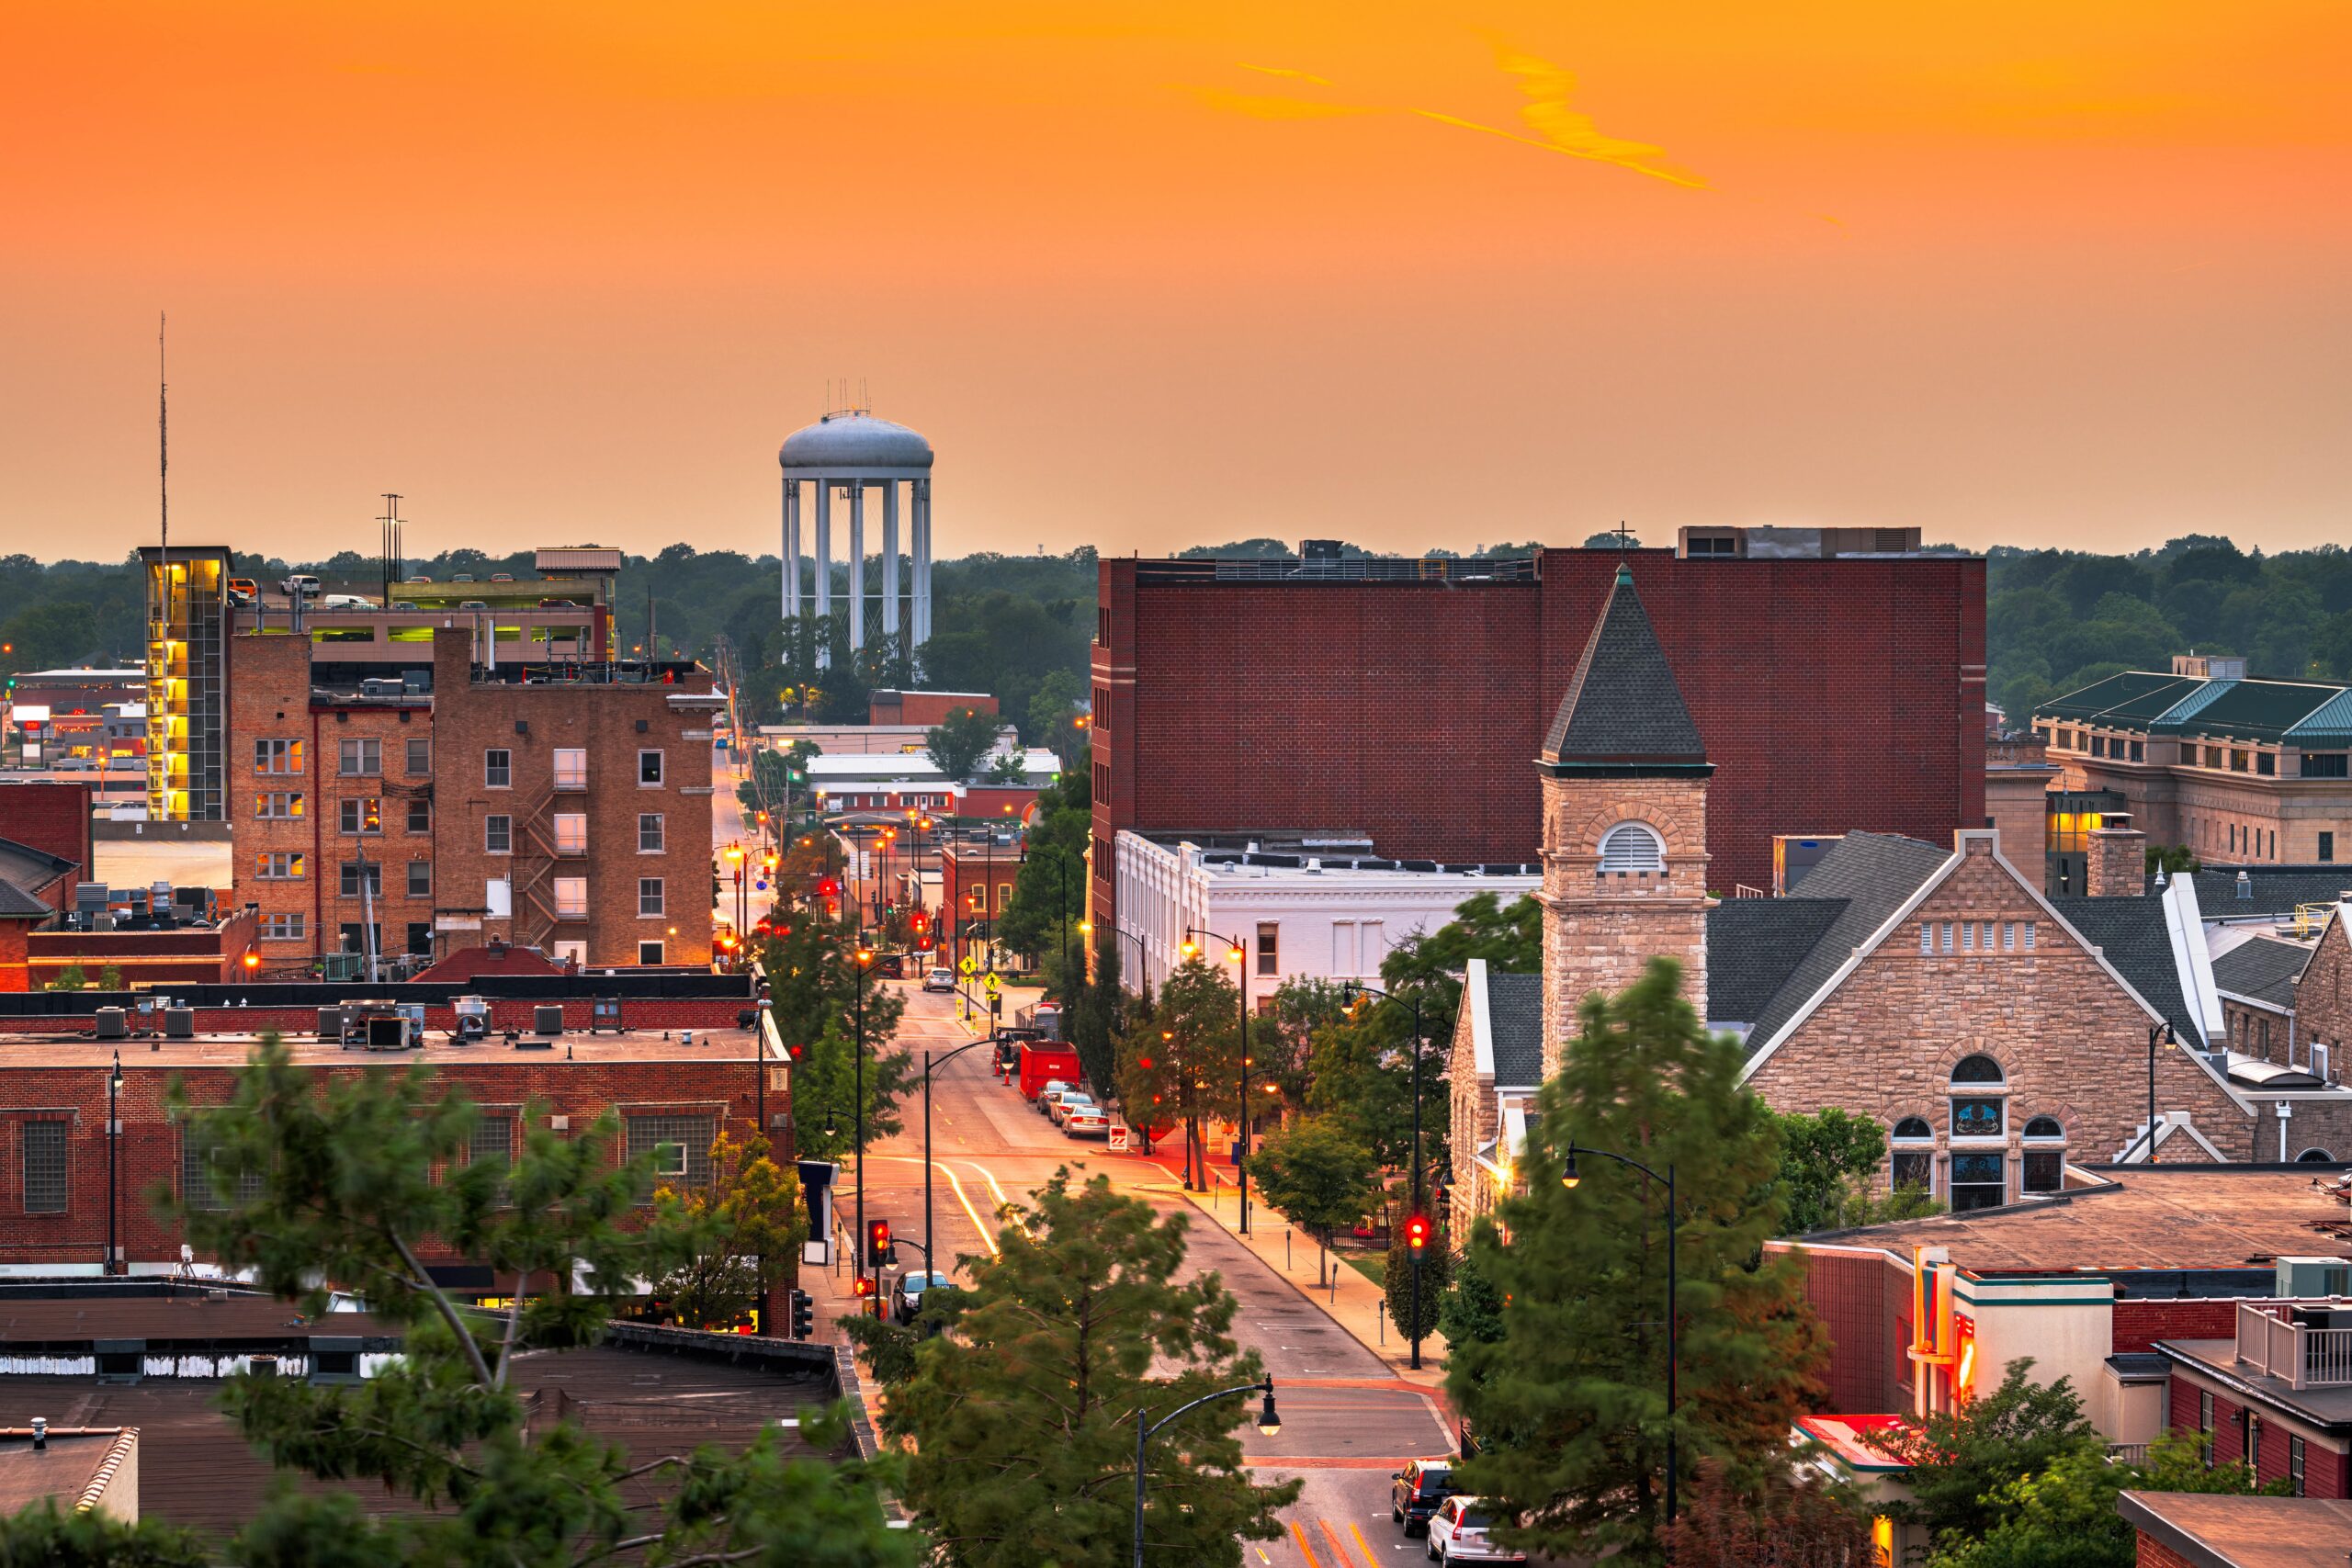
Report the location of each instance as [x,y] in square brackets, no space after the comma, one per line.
[680,1068]
[51,817]
[975,886]
[1831,694]
[564,810]
[929,709]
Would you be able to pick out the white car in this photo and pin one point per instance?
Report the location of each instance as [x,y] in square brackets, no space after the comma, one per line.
[1088,1120]
[1458,1534]
[939,980]
[1046,1094]
[1066,1102]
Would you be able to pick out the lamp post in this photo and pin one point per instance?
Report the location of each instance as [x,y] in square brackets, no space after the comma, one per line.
[1242,1106]
[1268,1422]
[1568,1179]
[2159,1033]
[857,1049]
[930,1060]
[114,1144]
[1416,1179]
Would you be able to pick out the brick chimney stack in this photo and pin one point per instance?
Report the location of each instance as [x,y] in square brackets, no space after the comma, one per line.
[2119,859]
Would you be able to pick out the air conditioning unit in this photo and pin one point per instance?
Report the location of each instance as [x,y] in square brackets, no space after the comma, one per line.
[179,1023]
[548,1018]
[2304,1278]
[113,1023]
[331,1023]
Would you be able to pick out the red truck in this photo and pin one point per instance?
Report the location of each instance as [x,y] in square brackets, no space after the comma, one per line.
[1043,1061]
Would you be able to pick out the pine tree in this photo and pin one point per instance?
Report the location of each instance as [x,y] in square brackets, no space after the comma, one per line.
[1023,1415]
[1569,1405]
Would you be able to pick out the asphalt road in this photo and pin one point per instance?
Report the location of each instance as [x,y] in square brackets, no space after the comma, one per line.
[1347,1420]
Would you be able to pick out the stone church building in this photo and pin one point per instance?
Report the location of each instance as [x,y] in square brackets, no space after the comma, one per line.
[1995,1032]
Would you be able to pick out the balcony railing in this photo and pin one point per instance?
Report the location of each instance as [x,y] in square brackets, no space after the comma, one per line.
[2303,1354]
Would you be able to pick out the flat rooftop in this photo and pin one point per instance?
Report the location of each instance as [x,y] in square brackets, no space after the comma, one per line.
[60,1048]
[182,1315]
[2164,1217]
[2216,1530]
[73,1459]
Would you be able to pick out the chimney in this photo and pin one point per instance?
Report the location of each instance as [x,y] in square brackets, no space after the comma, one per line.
[2245,886]
[2117,861]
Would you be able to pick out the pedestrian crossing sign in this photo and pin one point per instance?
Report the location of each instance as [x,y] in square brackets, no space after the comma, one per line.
[989,985]
[964,966]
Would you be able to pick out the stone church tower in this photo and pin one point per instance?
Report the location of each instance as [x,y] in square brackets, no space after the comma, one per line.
[1624,823]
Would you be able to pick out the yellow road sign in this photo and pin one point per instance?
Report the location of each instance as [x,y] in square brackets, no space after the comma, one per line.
[964,966]
[989,985]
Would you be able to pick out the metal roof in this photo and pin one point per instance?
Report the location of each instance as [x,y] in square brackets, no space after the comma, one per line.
[2135,693]
[2247,710]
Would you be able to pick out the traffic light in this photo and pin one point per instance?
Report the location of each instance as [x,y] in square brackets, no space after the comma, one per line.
[919,920]
[828,888]
[878,1243]
[1417,1233]
[864,1286]
[804,1315]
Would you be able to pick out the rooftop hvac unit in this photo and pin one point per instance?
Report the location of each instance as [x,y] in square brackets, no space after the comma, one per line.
[2305,1278]
[331,1023]
[113,1024]
[548,1018]
[179,1023]
[386,1031]
[472,1018]
[382,686]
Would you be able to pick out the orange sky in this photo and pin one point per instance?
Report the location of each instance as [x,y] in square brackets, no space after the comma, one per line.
[1158,274]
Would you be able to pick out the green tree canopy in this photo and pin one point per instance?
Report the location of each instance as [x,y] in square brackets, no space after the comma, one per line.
[1571,1401]
[957,744]
[1023,1415]
[814,982]
[1315,1173]
[747,1223]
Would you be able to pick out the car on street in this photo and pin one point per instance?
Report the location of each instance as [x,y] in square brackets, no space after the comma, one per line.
[1418,1490]
[906,1300]
[939,980]
[1046,1091]
[1087,1122]
[300,585]
[1458,1533]
[1065,1104]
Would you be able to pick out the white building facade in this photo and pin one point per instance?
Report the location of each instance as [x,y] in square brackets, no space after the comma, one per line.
[1297,917]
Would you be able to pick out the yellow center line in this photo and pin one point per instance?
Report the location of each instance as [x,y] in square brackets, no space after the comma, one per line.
[1362,1545]
[986,1238]
[1299,1530]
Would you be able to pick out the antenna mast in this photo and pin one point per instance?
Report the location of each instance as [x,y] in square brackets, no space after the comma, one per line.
[164,457]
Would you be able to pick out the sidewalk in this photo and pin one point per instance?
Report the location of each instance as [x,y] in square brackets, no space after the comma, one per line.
[1347,1298]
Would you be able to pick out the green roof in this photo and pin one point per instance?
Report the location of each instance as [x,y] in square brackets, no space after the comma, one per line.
[2248,710]
[2328,725]
[2129,699]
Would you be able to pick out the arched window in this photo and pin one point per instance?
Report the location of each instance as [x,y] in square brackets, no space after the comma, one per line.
[2314,1157]
[2044,1127]
[1915,1127]
[1977,1069]
[1631,846]
[2044,1167]
[1913,1167]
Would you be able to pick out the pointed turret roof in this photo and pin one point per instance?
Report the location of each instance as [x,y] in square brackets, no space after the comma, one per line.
[1622,712]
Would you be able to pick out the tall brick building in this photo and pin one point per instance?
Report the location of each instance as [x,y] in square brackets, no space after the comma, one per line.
[1405,698]
[570,814]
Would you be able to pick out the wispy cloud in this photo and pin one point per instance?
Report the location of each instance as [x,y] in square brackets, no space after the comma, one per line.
[1550,123]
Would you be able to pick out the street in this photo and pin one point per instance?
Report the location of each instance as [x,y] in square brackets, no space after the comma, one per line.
[1347,1420]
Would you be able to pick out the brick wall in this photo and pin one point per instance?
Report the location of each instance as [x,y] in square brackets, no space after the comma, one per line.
[2069,1041]
[1832,695]
[52,817]
[2324,998]
[2155,1553]
[2140,1321]
[14,967]
[1858,1297]
[151,1144]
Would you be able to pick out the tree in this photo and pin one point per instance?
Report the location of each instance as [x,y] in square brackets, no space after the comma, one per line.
[1049,892]
[814,980]
[70,978]
[339,1186]
[749,1224]
[111,978]
[1316,1175]
[1184,1058]
[1571,1402]
[1828,1163]
[2170,859]
[1789,1522]
[1024,1417]
[43,1535]
[1472,1308]
[1963,1460]
[2064,1515]
[956,745]
[1436,1266]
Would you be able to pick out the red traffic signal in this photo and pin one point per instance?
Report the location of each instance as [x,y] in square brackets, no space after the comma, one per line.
[878,1242]
[864,1286]
[1416,1231]
[1144,1062]
[830,888]
[919,920]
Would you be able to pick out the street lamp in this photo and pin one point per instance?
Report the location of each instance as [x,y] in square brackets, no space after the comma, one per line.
[1568,1179]
[1415,1003]
[1268,1422]
[929,1062]
[858,1050]
[2159,1033]
[1241,1107]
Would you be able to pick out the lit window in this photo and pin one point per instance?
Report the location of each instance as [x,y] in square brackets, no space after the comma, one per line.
[571,768]
[649,768]
[570,833]
[572,897]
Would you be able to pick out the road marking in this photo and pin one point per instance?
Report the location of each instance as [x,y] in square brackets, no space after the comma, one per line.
[1362,1545]
[956,1187]
[1299,1530]
[1339,1551]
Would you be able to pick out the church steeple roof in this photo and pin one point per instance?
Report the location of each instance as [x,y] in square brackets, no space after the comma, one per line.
[1623,714]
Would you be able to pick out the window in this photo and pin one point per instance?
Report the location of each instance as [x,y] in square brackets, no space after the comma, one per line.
[2009,936]
[363,814]
[2138,751]
[498,768]
[1927,938]
[2326,764]
[648,833]
[420,938]
[2294,1465]
[2028,929]
[680,1147]
[279,866]
[2314,1157]
[650,901]
[419,816]
[1915,1154]
[358,938]
[359,759]
[572,832]
[45,1168]
[278,756]
[1977,1069]
[648,952]
[571,768]
[2098,745]
[1946,946]
[279,806]
[357,873]
[282,927]
[2327,846]
[420,756]
[2045,1167]
[2205,1424]
[498,835]
[197,1161]
[1269,947]
[420,879]
[1978,1116]
[649,768]
[570,897]
[1977,1180]
[1630,847]
[492,1143]
[2265,762]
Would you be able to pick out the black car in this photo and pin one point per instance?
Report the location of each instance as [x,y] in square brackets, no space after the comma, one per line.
[1420,1490]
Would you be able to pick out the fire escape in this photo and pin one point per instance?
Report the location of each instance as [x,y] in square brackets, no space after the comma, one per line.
[541,851]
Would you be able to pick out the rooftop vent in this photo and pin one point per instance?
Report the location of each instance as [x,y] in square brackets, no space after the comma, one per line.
[2245,886]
